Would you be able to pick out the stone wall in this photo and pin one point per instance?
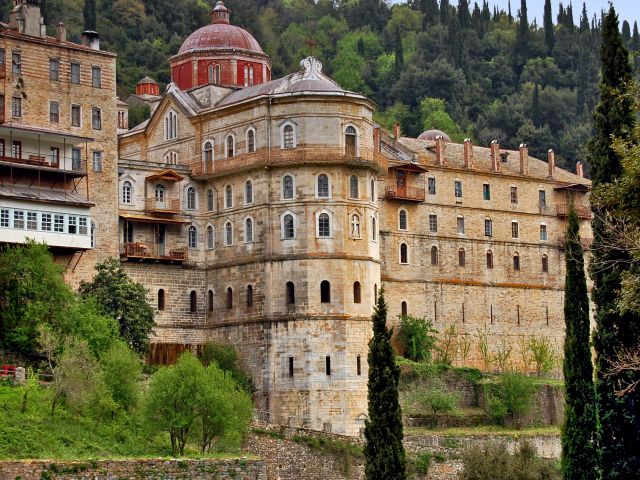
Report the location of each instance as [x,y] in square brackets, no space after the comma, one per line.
[237,469]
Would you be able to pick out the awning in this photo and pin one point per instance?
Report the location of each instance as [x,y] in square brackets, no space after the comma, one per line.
[46,132]
[576,187]
[408,167]
[135,217]
[43,195]
[168,175]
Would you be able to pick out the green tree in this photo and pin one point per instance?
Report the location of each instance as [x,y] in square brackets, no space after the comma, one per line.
[121,374]
[123,299]
[578,433]
[549,34]
[521,51]
[536,114]
[417,337]
[89,13]
[226,357]
[399,51]
[435,116]
[512,395]
[384,452]
[430,12]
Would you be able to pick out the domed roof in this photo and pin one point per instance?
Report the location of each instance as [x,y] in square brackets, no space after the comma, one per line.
[220,35]
[432,134]
[147,80]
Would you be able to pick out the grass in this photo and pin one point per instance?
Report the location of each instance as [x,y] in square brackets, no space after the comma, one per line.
[485,430]
[36,434]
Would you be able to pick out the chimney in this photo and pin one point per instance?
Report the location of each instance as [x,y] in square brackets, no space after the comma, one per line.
[495,155]
[26,18]
[91,39]
[551,160]
[396,130]
[579,169]
[524,159]
[440,150]
[468,153]
[376,139]
[61,32]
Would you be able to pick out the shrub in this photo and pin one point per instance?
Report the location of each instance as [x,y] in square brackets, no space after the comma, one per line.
[75,376]
[420,464]
[542,354]
[512,395]
[121,371]
[436,400]
[226,357]
[417,337]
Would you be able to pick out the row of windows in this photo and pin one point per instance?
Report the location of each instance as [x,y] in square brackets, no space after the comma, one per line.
[54,69]
[44,221]
[486,191]
[76,115]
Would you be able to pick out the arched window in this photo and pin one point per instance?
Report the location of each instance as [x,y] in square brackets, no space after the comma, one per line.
[230,146]
[374,230]
[249,296]
[248,192]
[403,309]
[323,186]
[353,186]
[357,294]
[191,198]
[248,230]
[251,140]
[250,75]
[516,261]
[291,293]
[161,299]
[288,137]
[355,225]
[170,125]
[287,187]
[193,237]
[210,237]
[229,298]
[402,220]
[434,256]
[461,257]
[171,158]
[210,200]
[210,73]
[207,154]
[489,259]
[324,225]
[325,292]
[127,190]
[372,188]
[193,302]
[545,263]
[228,234]
[216,74]
[350,139]
[288,226]
[228,196]
[210,300]
[404,253]
[246,75]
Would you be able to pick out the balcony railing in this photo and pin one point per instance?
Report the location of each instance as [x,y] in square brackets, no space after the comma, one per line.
[60,163]
[142,251]
[166,205]
[411,194]
[582,210]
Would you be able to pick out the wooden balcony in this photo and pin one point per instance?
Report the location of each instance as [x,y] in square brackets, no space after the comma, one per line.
[409,194]
[143,252]
[167,205]
[583,211]
[77,166]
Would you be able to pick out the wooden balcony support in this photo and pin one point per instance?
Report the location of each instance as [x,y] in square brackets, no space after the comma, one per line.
[166,205]
[410,194]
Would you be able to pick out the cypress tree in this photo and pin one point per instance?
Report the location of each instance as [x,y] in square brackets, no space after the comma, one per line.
[561,15]
[521,48]
[568,17]
[635,40]
[536,114]
[578,432]
[384,453]
[509,12]
[430,12]
[584,19]
[89,13]
[549,34]
[486,13]
[619,417]
[444,12]
[626,33]
[399,52]
[464,18]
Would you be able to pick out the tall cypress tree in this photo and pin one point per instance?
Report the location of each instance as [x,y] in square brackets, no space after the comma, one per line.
[399,52]
[635,40]
[89,13]
[521,48]
[619,417]
[444,12]
[384,453]
[579,430]
[549,34]
[626,33]
[430,12]
[464,18]
[536,113]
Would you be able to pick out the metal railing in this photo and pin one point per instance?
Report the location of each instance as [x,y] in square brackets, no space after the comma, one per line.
[62,163]
[406,193]
[582,210]
[143,251]
[163,205]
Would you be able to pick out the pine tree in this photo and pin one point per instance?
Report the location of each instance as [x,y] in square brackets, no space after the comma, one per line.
[384,453]
[578,433]
[89,13]
[536,114]
[549,34]
[619,417]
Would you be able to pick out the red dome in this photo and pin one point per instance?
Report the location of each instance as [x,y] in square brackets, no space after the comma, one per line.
[220,36]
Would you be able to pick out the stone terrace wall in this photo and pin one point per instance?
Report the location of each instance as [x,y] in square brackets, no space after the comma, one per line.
[237,469]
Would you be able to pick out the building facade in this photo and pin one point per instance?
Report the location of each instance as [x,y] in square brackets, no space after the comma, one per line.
[58,142]
[269,215]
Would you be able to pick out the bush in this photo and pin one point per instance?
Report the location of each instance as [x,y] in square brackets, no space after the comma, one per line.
[121,371]
[421,464]
[512,395]
[542,354]
[417,337]
[436,400]
[493,462]
[226,357]
[75,377]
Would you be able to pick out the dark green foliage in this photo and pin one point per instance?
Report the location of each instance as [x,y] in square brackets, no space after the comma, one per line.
[123,299]
[89,13]
[399,51]
[549,34]
[121,375]
[510,397]
[226,357]
[384,452]
[138,113]
[578,433]
[417,338]
[536,113]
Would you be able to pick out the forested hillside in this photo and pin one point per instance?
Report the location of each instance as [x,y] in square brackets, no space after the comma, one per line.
[467,69]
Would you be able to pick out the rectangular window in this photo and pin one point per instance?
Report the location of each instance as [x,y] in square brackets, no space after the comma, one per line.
[75,115]
[46,222]
[76,159]
[96,118]
[291,366]
[431,185]
[58,223]
[514,230]
[514,194]
[32,221]
[72,226]
[83,226]
[97,161]
[458,188]
[96,77]
[433,223]
[54,112]
[543,233]
[486,191]
[2,56]
[327,365]
[488,227]
[542,198]
[54,69]
[16,63]
[16,107]
[75,73]
[460,224]
[358,366]
[4,218]
[18,219]
[16,149]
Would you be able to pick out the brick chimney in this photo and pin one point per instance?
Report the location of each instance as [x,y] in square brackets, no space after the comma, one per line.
[396,130]
[524,159]
[468,153]
[495,155]
[61,32]
[579,169]
[440,157]
[551,160]
[376,139]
